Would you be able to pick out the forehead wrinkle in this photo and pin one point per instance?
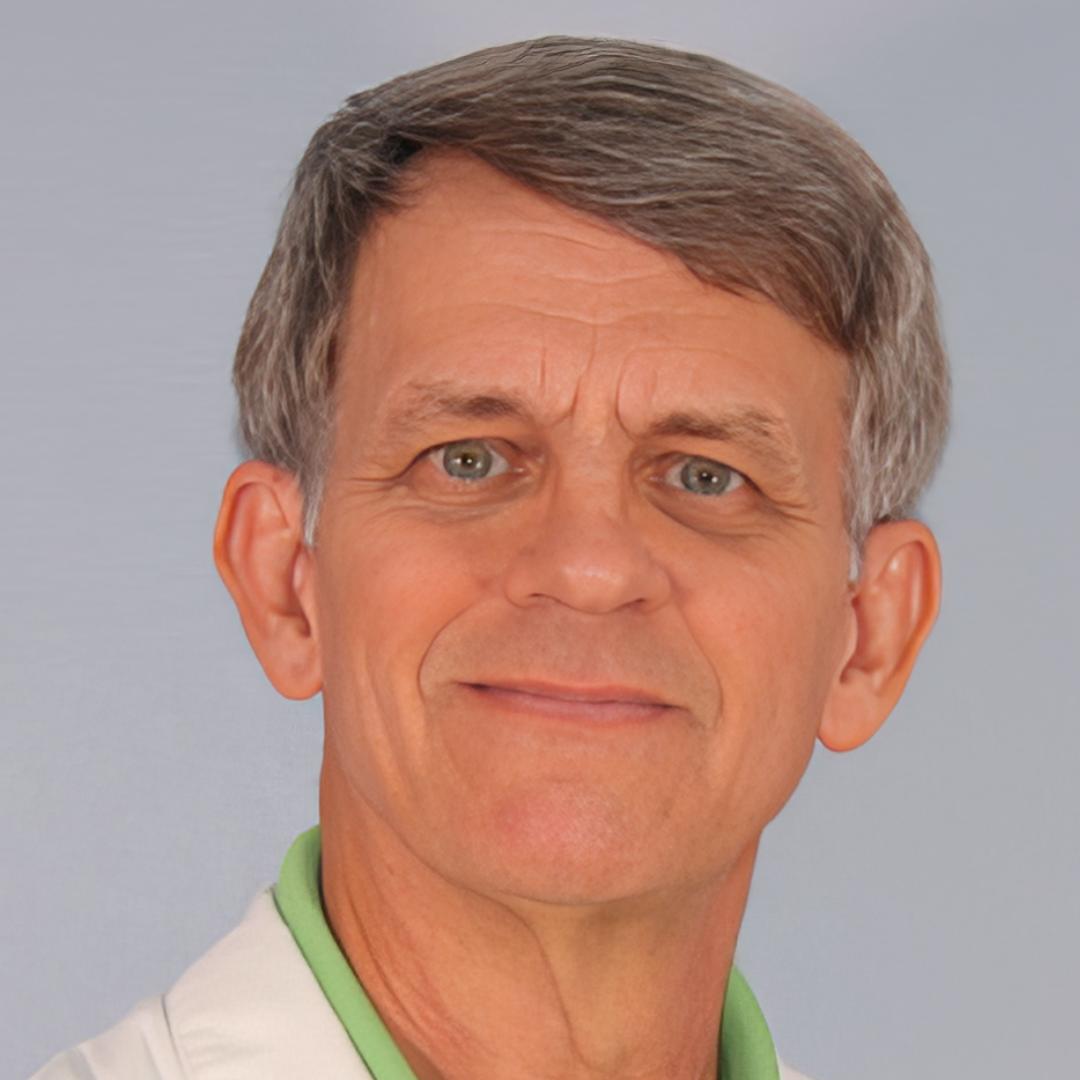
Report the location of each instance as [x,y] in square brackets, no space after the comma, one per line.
[519,285]
[587,320]
[524,226]
[582,300]
[613,259]
[610,273]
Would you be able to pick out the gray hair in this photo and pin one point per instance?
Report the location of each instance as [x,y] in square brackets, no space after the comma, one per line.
[754,189]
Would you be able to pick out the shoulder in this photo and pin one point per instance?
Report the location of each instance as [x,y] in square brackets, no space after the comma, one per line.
[139,1046]
[251,1007]
[248,1009]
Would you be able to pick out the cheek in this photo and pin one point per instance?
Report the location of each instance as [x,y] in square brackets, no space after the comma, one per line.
[770,623]
[391,583]
[388,584]
[772,632]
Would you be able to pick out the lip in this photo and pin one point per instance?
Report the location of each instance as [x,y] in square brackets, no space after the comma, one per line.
[606,694]
[595,705]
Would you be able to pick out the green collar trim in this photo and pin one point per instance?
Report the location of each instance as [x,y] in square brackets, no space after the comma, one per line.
[746,1047]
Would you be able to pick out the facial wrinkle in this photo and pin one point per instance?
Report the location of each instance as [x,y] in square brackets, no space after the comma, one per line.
[652,381]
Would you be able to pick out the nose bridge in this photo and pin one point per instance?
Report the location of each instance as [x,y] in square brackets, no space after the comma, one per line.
[586,549]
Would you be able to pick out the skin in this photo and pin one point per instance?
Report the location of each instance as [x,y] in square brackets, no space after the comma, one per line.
[532,894]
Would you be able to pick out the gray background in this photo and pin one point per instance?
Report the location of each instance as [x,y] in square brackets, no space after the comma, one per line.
[914,909]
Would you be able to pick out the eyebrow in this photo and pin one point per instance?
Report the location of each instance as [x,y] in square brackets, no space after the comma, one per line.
[422,403]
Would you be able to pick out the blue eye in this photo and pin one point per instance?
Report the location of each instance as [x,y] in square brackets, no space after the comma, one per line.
[469,460]
[703,476]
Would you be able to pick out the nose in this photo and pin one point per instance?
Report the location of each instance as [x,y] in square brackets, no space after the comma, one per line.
[587,554]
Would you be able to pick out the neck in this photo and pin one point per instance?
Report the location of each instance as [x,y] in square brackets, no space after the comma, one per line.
[496,986]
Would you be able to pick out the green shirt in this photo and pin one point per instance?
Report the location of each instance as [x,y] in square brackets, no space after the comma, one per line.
[746,1047]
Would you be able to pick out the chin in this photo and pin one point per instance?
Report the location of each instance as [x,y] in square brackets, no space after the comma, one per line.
[563,847]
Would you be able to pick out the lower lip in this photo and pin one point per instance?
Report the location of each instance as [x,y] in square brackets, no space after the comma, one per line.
[595,712]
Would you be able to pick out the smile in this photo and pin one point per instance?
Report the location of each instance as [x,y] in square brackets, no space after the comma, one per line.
[590,707]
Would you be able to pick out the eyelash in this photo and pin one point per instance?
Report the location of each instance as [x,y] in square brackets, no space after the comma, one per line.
[737,478]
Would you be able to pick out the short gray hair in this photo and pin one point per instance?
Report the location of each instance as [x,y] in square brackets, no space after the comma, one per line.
[753,188]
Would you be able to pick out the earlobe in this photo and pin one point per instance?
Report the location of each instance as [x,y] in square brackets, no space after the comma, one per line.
[893,607]
[261,557]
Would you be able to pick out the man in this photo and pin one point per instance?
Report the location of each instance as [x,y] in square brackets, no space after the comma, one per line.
[590,388]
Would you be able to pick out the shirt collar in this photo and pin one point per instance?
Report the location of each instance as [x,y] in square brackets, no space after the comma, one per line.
[746,1047]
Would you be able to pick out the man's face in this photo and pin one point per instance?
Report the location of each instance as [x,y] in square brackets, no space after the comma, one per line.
[598,536]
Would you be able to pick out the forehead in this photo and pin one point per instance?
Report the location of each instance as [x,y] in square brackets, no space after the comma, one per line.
[482,279]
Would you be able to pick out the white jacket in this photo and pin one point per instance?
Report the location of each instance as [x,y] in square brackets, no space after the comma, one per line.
[249,1009]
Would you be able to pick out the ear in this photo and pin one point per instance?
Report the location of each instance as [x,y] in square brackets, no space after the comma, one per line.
[893,606]
[261,557]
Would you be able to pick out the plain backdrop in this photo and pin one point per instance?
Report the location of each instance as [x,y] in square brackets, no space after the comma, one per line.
[915,906]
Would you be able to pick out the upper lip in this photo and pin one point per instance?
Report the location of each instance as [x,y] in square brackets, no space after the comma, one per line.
[566,692]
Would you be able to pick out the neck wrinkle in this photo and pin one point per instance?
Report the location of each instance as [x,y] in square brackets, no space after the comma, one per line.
[478,988]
